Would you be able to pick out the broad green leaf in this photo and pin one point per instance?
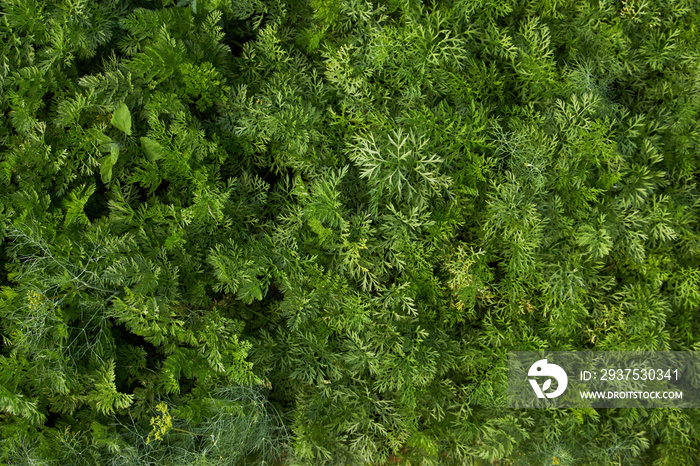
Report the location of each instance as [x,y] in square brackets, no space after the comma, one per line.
[121,119]
[114,152]
[152,149]
[106,165]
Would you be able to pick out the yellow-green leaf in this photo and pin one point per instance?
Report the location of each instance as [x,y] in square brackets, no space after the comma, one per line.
[106,165]
[121,119]
[152,149]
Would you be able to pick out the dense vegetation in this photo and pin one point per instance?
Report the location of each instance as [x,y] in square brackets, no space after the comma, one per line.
[309,232]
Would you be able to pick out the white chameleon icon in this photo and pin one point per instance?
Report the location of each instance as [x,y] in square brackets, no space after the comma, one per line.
[542,368]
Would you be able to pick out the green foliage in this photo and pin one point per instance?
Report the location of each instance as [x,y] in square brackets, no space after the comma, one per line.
[263,232]
[152,149]
[121,119]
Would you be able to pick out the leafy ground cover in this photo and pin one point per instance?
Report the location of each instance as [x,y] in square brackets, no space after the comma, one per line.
[309,232]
